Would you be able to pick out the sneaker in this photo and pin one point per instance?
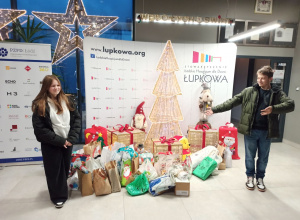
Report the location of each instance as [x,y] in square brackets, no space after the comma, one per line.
[260,185]
[59,205]
[250,183]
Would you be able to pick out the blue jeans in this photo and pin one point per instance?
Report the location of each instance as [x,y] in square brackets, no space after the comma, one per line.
[257,141]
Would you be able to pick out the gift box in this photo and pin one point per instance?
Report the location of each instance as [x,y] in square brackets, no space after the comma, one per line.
[93,133]
[126,135]
[182,187]
[162,145]
[200,137]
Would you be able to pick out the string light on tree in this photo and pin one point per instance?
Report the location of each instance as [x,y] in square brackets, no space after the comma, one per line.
[75,11]
[7,16]
[165,112]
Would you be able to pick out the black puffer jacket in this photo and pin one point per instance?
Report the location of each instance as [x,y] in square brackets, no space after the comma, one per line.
[44,132]
[249,100]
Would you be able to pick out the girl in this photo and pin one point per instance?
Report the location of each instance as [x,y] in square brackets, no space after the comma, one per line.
[57,125]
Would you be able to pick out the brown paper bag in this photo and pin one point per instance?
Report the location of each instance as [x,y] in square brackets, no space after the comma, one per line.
[113,175]
[221,150]
[134,164]
[85,183]
[101,183]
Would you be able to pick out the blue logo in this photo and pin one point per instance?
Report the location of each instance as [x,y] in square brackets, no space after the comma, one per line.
[93,55]
[3,52]
[36,149]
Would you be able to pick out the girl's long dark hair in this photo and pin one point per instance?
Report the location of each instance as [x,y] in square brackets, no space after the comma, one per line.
[39,103]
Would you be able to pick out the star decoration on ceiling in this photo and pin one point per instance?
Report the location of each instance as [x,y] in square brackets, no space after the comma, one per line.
[75,10]
[7,16]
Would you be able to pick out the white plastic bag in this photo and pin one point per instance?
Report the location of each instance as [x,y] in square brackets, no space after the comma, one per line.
[105,156]
[150,170]
[228,157]
[209,151]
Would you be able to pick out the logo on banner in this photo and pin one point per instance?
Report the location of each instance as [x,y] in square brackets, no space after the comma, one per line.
[107,88]
[121,98]
[94,78]
[44,68]
[10,81]
[28,128]
[107,68]
[28,93]
[93,55]
[28,116]
[13,116]
[121,79]
[10,68]
[96,118]
[36,149]
[133,89]
[11,93]
[12,106]
[14,128]
[3,52]
[27,68]
[108,108]
[28,81]
[27,106]
[122,116]
[96,98]
[13,139]
[205,58]
[96,108]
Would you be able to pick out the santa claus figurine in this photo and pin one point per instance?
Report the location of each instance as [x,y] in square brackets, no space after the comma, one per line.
[139,119]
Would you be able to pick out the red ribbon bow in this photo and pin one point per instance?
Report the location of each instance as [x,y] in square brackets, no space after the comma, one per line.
[124,128]
[169,141]
[202,127]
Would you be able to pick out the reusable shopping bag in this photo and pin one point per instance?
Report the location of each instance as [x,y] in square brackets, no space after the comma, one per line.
[126,171]
[205,168]
[139,186]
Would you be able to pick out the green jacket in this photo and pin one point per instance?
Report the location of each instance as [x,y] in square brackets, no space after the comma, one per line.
[249,100]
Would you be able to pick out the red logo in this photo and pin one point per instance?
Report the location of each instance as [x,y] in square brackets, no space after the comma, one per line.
[14,128]
[27,68]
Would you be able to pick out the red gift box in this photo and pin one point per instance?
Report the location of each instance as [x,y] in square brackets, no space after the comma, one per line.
[92,134]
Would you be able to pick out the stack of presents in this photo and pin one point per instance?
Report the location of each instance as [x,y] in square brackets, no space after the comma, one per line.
[115,157]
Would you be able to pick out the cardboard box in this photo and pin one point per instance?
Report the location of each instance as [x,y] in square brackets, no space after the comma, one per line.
[195,138]
[124,137]
[182,188]
[176,147]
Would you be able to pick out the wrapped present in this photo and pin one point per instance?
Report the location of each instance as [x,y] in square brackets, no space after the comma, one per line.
[163,145]
[126,135]
[201,136]
[93,134]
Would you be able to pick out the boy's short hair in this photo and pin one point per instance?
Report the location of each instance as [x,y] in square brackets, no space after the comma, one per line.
[267,71]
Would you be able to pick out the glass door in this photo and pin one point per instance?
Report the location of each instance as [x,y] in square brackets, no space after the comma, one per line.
[282,74]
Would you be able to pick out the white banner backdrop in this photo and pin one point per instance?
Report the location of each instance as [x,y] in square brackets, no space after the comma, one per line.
[119,75]
[23,66]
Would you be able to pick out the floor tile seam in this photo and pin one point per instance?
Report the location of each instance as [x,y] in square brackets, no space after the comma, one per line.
[241,204]
[181,200]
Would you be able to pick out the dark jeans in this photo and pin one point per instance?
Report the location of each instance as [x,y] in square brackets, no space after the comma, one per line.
[258,142]
[56,164]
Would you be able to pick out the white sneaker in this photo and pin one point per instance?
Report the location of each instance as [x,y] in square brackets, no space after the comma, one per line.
[59,205]
[250,184]
[260,185]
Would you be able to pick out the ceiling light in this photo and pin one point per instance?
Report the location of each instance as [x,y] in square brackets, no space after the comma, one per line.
[263,28]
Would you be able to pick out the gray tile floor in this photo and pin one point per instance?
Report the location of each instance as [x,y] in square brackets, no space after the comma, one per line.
[24,195]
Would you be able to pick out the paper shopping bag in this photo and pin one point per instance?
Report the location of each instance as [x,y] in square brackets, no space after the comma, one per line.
[101,183]
[113,175]
[85,183]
